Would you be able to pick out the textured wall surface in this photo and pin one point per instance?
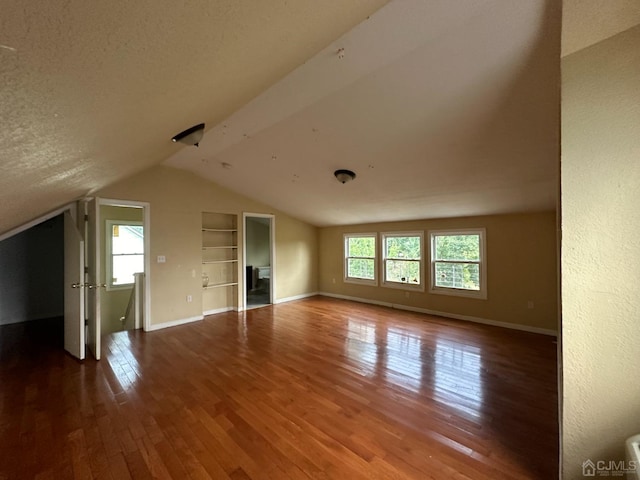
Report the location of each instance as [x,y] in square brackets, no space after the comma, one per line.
[600,250]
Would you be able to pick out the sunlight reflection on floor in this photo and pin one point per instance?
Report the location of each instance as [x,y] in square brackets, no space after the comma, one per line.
[408,361]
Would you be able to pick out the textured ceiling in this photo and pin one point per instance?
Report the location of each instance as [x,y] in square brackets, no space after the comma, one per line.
[92,92]
[441,108]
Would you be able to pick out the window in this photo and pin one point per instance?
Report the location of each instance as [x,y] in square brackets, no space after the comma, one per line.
[360,258]
[458,263]
[402,260]
[125,252]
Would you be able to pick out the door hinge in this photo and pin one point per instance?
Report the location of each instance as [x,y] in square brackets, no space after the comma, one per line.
[86,269]
[86,218]
[86,322]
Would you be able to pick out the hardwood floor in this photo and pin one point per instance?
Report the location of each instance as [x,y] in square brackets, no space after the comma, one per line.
[318,388]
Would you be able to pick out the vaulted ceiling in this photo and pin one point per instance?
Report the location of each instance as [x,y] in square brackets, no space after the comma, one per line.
[442,108]
[92,92]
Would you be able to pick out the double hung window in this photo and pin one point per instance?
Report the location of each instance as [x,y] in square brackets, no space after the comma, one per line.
[458,263]
[360,258]
[125,252]
[402,260]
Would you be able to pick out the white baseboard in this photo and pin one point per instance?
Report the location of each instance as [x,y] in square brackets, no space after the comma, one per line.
[296,297]
[174,323]
[467,318]
[219,310]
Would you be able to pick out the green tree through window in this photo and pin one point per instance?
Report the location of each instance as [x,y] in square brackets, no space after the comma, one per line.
[402,259]
[457,261]
[360,258]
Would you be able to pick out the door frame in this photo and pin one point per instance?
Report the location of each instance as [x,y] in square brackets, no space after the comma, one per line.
[146,221]
[272,254]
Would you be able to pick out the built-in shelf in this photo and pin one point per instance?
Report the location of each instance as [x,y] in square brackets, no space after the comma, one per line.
[219,261]
[217,285]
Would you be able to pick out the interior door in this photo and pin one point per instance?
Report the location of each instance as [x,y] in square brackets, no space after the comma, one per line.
[93,277]
[73,288]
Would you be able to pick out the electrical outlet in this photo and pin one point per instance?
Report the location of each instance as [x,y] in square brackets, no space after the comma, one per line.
[334,280]
[189,299]
[162,259]
[530,304]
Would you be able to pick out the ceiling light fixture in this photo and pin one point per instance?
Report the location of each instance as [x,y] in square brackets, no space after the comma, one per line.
[191,136]
[344,176]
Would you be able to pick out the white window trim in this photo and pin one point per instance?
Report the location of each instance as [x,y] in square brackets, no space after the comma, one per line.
[108,275]
[383,278]
[458,292]
[345,269]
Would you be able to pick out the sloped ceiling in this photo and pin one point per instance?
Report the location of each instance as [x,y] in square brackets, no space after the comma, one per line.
[92,92]
[587,22]
[442,108]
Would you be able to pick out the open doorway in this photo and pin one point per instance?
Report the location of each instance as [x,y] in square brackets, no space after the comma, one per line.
[259,257]
[51,277]
[123,257]
[37,267]
[31,283]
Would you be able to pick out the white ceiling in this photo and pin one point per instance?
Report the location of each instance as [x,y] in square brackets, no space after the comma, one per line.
[92,92]
[442,108]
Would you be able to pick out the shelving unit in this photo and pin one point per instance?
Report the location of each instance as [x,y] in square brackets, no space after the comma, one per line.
[219,261]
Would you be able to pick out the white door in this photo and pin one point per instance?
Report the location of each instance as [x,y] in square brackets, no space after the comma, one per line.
[73,288]
[93,277]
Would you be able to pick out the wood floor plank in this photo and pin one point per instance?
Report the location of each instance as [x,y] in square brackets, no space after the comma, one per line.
[313,389]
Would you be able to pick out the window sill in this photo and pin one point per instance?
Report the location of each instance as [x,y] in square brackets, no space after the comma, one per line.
[404,286]
[361,281]
[459,292]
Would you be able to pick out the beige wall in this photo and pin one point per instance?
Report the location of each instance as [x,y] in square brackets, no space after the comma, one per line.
[177,200]
[113,303]
[600,250]
[258,251]
[521,266]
